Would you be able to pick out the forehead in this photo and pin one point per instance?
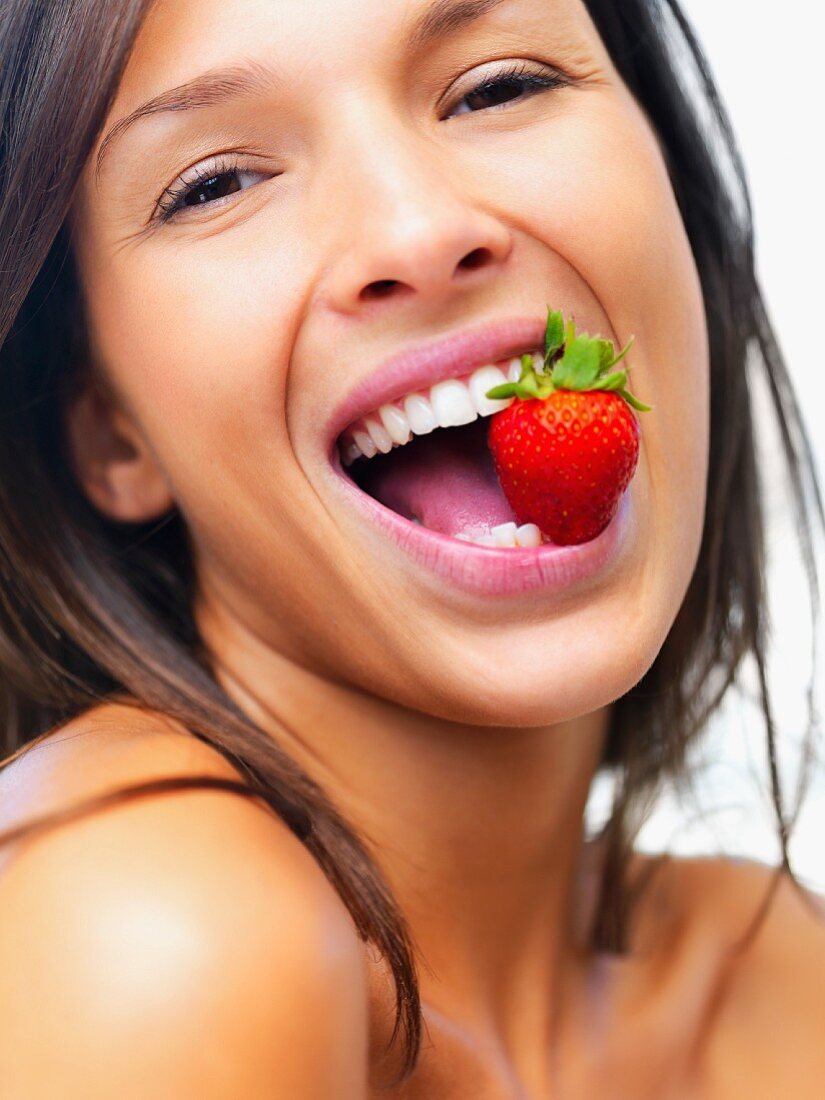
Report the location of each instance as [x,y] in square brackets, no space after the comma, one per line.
[199,53]
[180,38]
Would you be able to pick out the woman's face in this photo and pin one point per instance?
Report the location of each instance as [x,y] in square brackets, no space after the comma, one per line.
[362,197]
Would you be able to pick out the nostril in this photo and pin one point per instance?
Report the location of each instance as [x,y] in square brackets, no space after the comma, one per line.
[476,258]
[379,289]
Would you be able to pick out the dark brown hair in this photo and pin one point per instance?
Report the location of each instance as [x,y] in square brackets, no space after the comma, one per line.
[90,609]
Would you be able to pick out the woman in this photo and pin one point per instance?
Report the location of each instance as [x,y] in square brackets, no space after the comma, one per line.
[211,283]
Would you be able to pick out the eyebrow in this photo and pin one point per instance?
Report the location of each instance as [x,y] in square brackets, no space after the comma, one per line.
[446,17]
[443,18]
[210,88]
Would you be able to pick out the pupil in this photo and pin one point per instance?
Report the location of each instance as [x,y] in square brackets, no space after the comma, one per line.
[214,188]
[500,90]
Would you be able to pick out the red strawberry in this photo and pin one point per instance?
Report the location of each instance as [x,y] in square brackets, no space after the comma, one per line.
[567,448]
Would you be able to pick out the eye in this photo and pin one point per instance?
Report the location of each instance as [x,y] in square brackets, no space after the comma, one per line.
[511,83]
[205,186]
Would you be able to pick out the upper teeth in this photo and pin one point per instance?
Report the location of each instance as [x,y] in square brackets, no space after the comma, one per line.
[445,405]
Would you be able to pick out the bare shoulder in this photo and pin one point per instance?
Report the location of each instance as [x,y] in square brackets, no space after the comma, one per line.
[765,1031]
[111,744]
[769,1036]
[184,945]
[774,928]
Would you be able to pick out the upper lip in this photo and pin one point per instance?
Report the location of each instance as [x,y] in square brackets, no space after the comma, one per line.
[421,366]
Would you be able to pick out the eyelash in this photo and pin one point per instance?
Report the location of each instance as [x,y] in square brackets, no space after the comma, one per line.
[173,199]
[517,72]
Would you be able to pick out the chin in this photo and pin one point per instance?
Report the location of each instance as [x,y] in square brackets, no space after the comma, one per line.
[530,674]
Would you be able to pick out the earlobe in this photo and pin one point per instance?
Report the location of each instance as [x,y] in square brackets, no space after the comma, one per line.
[113,465]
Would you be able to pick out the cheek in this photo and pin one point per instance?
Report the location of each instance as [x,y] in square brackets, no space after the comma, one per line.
[605,206]
[198,344]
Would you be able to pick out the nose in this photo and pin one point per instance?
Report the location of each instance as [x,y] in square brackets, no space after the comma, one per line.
[410,223]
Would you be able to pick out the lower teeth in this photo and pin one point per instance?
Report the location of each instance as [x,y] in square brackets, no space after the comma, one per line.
[507,535]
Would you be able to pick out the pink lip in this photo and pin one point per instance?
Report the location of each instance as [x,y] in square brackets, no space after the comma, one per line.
[422,366]
[485,571]
[476,570]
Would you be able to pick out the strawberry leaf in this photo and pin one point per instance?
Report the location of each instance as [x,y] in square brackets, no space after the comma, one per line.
[613,381]
[621,354]
[579,367]
[634,402]
[554,334]
[527,387]
[529,384]
[570,362]
[606,355]
[526,367]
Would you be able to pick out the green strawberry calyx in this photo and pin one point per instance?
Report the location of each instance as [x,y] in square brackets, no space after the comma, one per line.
[572,361]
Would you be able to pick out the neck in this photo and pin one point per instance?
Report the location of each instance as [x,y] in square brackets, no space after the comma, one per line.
[478,831]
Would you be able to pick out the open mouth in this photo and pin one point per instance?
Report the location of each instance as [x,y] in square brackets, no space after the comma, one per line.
[425,457]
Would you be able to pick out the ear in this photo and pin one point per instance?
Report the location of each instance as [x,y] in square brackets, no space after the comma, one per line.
[111,461]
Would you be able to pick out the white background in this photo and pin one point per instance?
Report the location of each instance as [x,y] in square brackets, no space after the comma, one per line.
[767,63]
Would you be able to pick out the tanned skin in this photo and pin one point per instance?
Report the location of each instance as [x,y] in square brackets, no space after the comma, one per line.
[187,946]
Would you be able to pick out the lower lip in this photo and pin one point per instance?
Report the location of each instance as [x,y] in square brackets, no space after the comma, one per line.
[486,571]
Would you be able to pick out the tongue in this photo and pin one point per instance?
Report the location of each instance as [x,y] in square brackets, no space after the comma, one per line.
[446,480]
